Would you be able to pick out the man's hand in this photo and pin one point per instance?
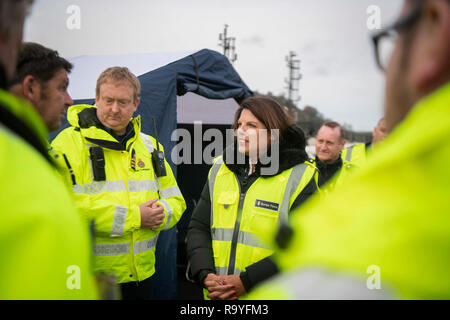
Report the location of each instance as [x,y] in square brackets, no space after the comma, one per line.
[152,214]
[218,288]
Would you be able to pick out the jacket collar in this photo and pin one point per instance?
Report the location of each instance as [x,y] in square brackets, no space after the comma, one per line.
[26,113]
[22,119]
[84,119]
[291,152]
[335,165]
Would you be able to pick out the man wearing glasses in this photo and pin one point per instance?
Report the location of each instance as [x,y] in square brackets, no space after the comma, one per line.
[386,233]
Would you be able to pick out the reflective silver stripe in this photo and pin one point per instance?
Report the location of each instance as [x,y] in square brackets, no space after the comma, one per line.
[211,180]
[320,284]
[170,192]
[142,185]
[118,225]
[247,238]
[111,249]
[348,156]
[97,187]
[224,270]
[148,143]
[251,239]
[222,234]
[294,180]
[169,212]
[143,246]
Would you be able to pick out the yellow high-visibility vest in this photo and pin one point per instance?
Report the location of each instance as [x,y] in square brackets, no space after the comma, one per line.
[340,177]
[355,154]
[239,219]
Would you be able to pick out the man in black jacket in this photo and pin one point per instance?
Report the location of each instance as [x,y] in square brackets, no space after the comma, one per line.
[329,144]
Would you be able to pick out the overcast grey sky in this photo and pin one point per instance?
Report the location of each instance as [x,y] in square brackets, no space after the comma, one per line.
[331,38]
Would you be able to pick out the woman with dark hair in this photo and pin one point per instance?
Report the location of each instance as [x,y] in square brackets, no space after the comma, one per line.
[250,190]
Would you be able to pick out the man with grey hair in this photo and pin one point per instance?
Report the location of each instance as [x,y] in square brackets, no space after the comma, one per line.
[45,247]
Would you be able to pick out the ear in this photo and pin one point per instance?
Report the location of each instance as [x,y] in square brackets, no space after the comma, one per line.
[31,88]
[433,46]
[136,103]
[374,131]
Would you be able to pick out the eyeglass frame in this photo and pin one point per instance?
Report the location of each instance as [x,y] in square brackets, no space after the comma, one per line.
[397,26]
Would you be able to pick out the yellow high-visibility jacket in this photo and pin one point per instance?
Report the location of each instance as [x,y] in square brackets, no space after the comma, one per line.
[386,233]
[355,154]
[45,249]
[122,247]
[340,177]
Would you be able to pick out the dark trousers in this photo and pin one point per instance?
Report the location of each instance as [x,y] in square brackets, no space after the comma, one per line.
[137,290]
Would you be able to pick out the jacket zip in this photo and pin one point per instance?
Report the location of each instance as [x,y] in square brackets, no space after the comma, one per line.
[237,225]
[133,262]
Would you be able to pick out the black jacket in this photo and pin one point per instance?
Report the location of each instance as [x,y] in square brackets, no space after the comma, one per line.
[199,242]
[327,171]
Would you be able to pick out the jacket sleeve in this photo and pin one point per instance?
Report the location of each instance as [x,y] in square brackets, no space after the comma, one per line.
[110,219]
[171,199]
[258,272]
[199,241]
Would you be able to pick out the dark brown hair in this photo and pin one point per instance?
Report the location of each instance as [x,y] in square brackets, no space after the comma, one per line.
[266,110]
[40,62]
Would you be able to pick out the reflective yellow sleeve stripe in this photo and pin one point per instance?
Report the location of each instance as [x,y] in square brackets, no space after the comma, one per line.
[169,212]
[170,192]
[118,225]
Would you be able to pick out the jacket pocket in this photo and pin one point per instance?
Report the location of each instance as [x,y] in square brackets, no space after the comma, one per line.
[262,221]
[225,209]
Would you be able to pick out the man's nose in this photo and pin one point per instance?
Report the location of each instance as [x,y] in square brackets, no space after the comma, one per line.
[115,107]
[68,100]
